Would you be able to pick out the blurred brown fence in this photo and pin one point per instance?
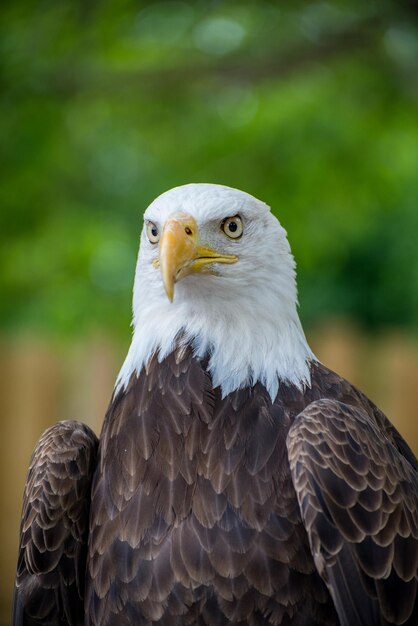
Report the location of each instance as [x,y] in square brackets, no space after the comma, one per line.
[41,383]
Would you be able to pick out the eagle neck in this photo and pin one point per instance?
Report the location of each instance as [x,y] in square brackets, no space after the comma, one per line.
[244,343]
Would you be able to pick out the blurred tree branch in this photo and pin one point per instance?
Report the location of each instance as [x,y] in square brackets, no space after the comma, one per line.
[277,63]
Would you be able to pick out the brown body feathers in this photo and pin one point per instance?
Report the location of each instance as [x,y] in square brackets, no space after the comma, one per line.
[214,511]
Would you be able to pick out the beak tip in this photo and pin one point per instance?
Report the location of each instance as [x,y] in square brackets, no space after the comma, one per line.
[170,293]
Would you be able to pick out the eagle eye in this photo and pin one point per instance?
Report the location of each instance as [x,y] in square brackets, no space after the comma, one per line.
[153,233]
[233,227]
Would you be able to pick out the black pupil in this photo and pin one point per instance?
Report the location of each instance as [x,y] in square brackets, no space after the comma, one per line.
[232,227]
[154,231]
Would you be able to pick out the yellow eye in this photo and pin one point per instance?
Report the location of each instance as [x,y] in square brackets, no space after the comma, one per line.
[233,227]
[153,233]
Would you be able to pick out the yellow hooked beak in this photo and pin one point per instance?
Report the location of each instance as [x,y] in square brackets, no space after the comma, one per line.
[181,255]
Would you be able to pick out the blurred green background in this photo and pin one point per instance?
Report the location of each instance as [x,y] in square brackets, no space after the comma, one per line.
[310,106]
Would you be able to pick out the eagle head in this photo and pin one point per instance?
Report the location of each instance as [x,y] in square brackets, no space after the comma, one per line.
[215,271]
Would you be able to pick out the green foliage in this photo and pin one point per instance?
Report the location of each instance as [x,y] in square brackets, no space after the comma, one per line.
[309,106]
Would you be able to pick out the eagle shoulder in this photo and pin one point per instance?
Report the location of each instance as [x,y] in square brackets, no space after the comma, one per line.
[49,586]
[357,488]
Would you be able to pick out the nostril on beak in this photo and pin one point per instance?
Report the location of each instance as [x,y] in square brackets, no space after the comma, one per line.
[188,230]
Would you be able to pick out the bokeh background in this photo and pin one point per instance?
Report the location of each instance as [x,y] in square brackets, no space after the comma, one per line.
[311,106]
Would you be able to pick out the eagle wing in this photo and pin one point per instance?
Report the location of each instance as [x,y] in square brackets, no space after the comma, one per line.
[357,488]
[49,584]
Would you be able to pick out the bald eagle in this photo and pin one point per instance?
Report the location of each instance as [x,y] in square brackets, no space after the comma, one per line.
[237,480]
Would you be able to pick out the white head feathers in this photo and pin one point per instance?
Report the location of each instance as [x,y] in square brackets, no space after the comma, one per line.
[244,318]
